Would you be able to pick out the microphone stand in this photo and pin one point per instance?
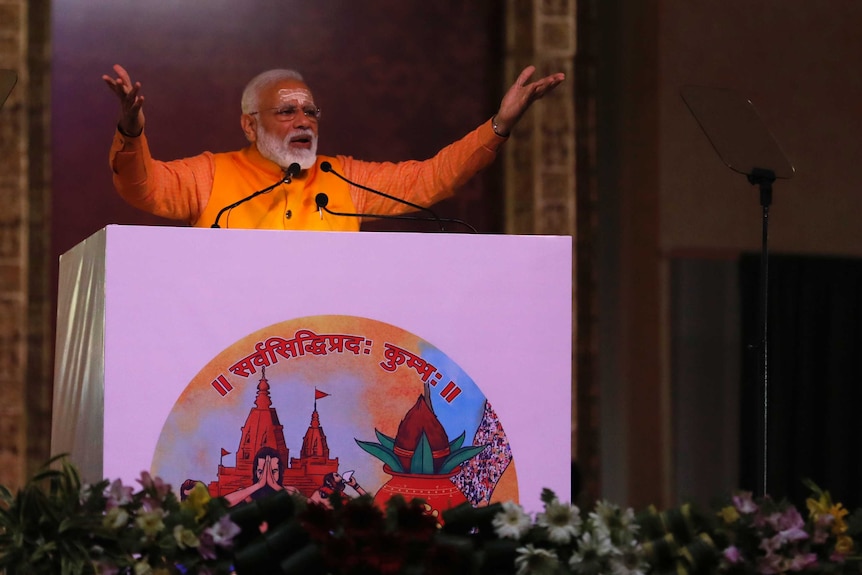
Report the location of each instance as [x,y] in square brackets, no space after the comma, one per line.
[322,200]
[291,171]
[327,167]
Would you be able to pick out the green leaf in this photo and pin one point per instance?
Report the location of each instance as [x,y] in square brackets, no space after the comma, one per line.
[385,440]
[458,457]
[44,550]
[422,461]
[456,443]
[547,497]
[75,522]
[47,474]
[381,453]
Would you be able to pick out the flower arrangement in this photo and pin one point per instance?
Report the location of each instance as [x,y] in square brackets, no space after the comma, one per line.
[55,524]
[748,536]
[765,536]
[561,540]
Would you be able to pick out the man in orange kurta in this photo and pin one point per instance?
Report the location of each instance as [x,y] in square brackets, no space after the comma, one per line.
[280,121]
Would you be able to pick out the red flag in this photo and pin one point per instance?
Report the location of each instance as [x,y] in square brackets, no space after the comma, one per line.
[319,394]
[224,452]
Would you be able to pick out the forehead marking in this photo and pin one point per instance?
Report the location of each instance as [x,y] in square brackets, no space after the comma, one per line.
[294,94]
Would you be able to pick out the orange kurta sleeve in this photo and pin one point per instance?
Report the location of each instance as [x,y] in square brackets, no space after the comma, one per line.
[422,182]
[178,190]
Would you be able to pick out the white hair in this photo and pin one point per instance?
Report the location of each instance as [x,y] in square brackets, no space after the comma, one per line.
[251,94]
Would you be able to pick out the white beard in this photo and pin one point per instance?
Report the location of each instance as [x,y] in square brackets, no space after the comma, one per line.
[277,150]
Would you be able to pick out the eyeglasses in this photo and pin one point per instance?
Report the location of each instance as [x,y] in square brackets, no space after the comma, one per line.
[289,112]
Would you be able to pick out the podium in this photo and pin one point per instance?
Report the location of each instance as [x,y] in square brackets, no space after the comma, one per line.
[185,352]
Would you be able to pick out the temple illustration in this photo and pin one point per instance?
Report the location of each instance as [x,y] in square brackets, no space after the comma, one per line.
[262,429]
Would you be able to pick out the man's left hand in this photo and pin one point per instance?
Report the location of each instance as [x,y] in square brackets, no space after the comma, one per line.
[521,96]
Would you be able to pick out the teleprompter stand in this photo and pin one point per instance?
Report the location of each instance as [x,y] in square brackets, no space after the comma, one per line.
[745,145]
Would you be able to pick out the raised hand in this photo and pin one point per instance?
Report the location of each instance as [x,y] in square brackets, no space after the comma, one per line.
[521,96]
[131,101]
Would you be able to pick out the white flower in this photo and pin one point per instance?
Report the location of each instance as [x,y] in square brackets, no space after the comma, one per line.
[115,518]
[617,525]
[151,522]
[611,515]
[185,538]
[512,522]
[630,562]
[562,520]
[84,493]
[599,528]
[627,519]
[600,544]
[593,549]
[536,561]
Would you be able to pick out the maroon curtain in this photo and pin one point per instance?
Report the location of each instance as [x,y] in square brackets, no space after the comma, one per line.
[814,376]
[395,80]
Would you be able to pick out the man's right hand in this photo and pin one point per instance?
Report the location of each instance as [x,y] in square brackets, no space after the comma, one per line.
[131,101]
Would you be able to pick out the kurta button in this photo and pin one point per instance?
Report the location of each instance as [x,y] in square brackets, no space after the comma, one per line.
[288,214]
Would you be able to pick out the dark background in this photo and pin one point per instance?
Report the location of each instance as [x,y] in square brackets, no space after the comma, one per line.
[671,400]
[395,80]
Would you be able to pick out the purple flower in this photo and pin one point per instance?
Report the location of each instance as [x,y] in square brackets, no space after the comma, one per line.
[223,532]
[732,554]
[802,561]
[150,503]
[776,542]
[793,534]
[206,549]
[822,529]
[150,483]
[107,568]
[117,494]
[770,545]
[770,564]
[787,520]
[744,503]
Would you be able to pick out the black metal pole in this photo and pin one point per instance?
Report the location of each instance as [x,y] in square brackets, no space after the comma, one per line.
[763,179]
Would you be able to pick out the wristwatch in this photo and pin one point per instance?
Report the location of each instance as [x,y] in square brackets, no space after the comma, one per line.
[496,127]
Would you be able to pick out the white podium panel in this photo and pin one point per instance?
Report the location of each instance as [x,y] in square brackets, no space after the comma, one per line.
[189,352]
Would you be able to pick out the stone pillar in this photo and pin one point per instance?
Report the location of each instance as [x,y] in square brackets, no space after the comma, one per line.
[540,156]
[25,341]
[540,167]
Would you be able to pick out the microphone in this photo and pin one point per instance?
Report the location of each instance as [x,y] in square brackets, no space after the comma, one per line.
[291,171]
[322,200]
[327,167]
